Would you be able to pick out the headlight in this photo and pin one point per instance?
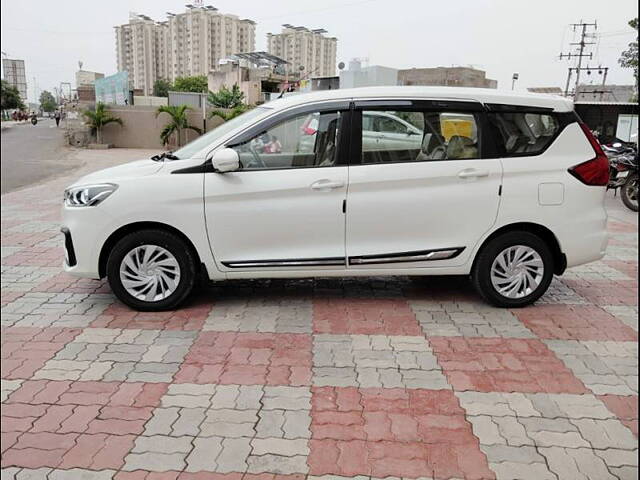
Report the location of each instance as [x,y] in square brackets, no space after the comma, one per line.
[88,195]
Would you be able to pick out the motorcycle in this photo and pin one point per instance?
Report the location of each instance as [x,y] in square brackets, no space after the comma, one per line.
[623,175]
[34,120]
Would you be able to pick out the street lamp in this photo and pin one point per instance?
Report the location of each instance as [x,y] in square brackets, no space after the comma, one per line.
[513,80]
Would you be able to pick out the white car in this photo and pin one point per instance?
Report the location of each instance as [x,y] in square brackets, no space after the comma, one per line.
[507,188]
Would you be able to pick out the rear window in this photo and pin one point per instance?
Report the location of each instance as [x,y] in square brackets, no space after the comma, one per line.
[524,133]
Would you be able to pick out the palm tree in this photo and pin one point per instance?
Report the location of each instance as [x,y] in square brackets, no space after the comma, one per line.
[179,122]
[226,116]
[98,118]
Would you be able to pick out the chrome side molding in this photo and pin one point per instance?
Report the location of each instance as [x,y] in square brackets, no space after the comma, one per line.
[419,256]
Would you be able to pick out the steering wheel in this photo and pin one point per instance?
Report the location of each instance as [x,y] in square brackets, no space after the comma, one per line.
[257,161]
[440,149]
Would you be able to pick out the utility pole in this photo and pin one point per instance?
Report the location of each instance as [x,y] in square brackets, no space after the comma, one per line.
[584,35]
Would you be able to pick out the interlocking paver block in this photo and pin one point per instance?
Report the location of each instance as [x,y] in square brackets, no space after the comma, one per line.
[605,367]
[375,361]
[503,365]
[248,359]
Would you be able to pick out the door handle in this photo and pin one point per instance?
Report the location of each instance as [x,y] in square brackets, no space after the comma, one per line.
[326,185]
[473,173]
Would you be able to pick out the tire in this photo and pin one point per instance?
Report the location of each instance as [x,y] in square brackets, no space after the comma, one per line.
[481,274]
[629,192]
[177,267]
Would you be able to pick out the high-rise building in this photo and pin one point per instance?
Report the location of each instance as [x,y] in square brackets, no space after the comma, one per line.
[14,75]
[200,37]
[142,51]
[187,44]
[309,49]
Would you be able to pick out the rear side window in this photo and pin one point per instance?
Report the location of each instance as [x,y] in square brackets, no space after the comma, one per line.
[524,133]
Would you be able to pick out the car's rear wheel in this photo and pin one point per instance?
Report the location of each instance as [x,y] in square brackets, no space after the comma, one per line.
[513,270]
[151,270]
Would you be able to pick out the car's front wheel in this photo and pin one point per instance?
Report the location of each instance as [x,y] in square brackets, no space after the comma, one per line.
[151,270]
[513,270]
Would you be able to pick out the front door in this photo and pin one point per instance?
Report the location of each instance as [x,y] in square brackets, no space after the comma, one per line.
[283,209]
[424,205]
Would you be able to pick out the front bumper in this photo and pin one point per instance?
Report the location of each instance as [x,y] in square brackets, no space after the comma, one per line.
[69,253]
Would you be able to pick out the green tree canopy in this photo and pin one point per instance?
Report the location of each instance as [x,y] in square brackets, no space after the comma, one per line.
[629,58]
[225,98]
[161,88]
[196,84]
[100,117]
[10,97]
[47,101]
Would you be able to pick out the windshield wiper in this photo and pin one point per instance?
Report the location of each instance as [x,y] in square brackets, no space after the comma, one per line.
[163,155]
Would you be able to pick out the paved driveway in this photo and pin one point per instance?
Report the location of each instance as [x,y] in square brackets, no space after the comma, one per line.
[358,378]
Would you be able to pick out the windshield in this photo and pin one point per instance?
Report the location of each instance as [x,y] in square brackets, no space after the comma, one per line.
[190,149]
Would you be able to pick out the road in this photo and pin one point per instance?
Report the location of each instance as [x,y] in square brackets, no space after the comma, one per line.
[31,154]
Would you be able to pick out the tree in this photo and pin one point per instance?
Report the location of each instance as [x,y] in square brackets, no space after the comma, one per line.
[629,58]
[179,121]
[225,98]
[98,118]
[161,88]
[196,84]
[47,101]
[10,97]
[226,116]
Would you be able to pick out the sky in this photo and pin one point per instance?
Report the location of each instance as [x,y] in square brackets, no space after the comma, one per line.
[498,36]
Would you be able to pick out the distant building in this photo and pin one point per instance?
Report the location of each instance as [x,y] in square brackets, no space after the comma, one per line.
[187,44]
[546,90]
[14,75]
[257,74]
[309,49]
[87,78]
[446,77]
[372,76]
[604,93]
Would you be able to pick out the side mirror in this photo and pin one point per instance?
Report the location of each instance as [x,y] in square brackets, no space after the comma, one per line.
[225,160]
[411,132]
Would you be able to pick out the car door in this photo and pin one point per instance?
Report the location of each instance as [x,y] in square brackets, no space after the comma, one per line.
[421,208]
[283,209]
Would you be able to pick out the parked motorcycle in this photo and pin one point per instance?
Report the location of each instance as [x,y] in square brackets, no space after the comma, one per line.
[623,174]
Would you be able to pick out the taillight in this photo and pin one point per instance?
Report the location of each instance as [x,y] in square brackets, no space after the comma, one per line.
[593,172]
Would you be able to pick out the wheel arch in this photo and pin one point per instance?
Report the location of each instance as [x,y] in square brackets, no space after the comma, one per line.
[559,258]
[124,230]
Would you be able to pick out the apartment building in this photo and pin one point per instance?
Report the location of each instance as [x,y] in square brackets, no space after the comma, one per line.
[14,75]
[306,48]
[200,37]
[186,44]
[141,48]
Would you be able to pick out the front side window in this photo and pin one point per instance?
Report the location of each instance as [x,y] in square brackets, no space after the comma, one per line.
[524,133]
[392,136]
[303,141]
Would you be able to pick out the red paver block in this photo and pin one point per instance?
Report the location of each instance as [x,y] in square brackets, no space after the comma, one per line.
[606,292]
[22,239]
[503,365]
[65,283]
[190,317]
[7,297]
[25,350]
[364,316]
[623,407]
[248,359]
[392,432]
[89,425]
[35,257]
[621,227]
[629,268]
[575,322]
